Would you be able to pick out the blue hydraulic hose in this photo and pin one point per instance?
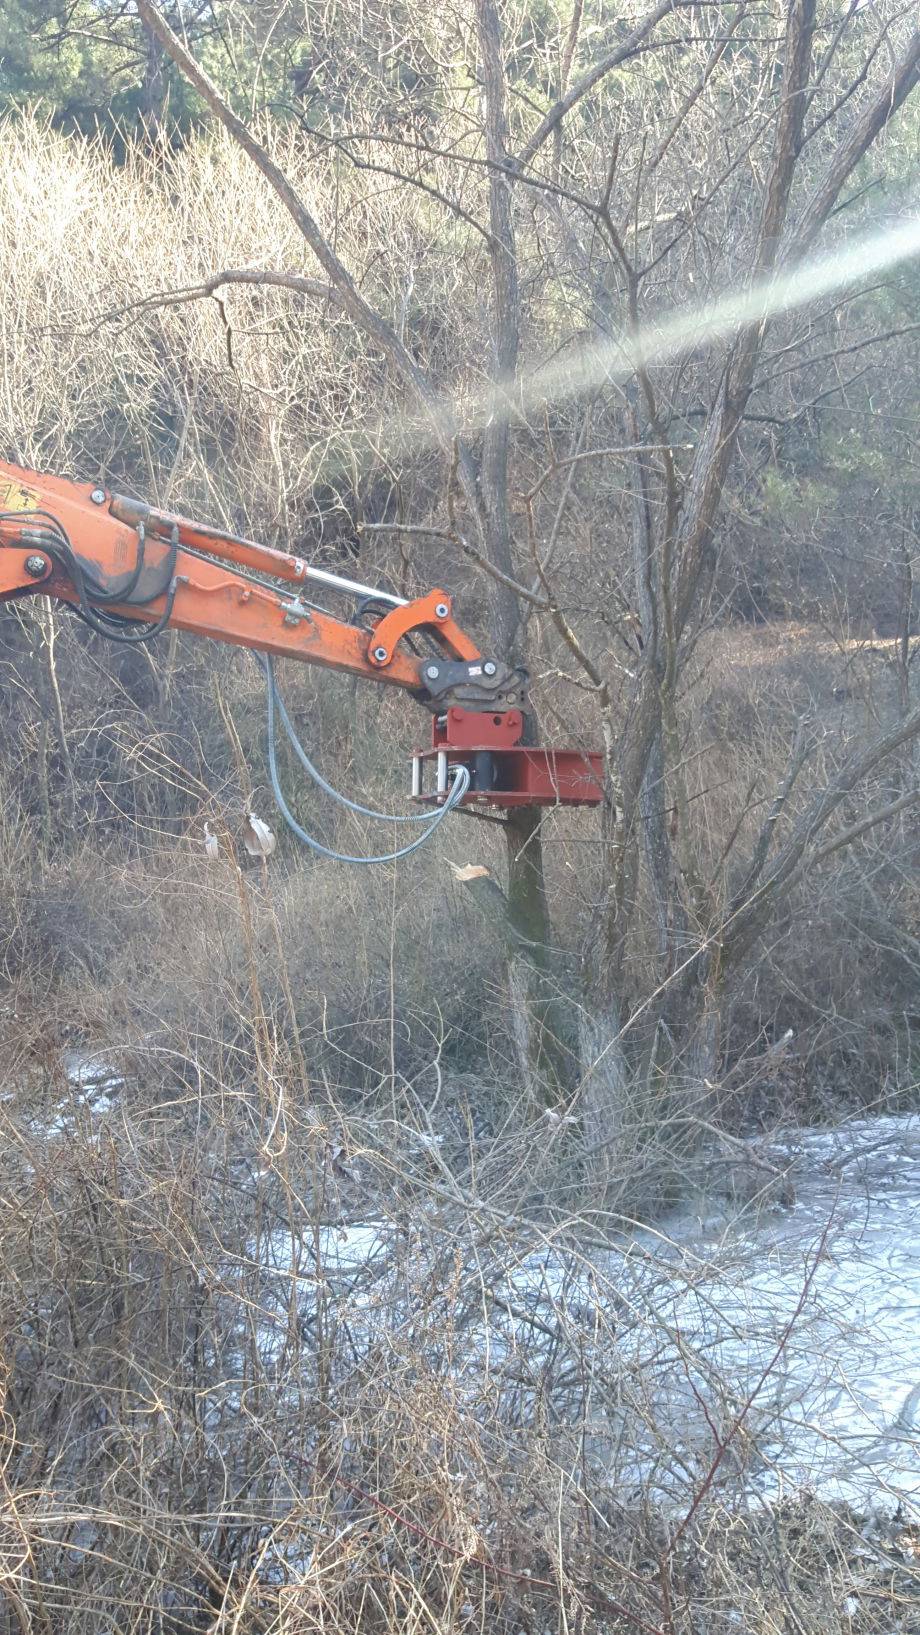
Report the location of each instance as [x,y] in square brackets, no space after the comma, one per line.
[459,785]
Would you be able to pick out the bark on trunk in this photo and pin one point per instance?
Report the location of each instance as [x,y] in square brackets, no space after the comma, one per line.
[605,1097]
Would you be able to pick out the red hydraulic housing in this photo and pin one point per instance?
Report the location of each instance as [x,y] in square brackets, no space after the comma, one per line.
[503,772]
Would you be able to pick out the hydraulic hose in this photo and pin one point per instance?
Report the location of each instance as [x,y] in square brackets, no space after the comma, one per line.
[314,772]
[459,785]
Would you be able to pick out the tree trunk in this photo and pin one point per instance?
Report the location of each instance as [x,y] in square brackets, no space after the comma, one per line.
[606,1105]
[153,88]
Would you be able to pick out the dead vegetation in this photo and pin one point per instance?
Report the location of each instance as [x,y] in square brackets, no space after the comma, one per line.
[325,1308]
[277,1363]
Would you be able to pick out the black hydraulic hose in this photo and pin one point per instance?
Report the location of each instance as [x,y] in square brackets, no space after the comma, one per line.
[91,594]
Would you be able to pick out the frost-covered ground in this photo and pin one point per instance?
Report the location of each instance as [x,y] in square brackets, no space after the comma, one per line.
[789,1335]
[839,1412]
[796,1329]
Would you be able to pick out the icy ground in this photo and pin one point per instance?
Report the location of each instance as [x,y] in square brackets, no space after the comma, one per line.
[839,1413]
[791,1333]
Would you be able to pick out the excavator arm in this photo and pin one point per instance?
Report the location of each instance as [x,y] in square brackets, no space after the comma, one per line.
[131,571]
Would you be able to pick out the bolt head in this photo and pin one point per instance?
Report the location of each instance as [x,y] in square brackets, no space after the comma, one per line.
[489,668]
[442,610]
[432,672]
[379,654]
[36,566]
[98,496]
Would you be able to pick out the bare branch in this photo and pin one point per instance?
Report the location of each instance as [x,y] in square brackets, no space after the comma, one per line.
[859,138]
[422,532]
[797,759]
[627,48]
[352,299]
[870,821]
[834,353]
[747,917]
[375,167]
[694,94]
[370,321]
[256,277]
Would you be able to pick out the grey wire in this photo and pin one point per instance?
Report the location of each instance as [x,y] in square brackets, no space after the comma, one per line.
[459,787]
[314,772]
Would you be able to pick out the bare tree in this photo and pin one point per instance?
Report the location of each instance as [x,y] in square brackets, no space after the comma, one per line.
[762,117]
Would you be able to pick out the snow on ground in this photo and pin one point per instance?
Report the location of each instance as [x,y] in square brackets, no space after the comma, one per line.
[839,1411]
[813,1312]
[91,1073]
[802,1322]
[94,1085]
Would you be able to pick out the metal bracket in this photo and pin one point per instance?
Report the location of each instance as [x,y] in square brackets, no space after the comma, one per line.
[478,684]
[295,611]
[431,612]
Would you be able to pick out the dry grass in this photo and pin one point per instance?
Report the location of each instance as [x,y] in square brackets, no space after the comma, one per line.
[209,1423]
[273,1363]
[246,409]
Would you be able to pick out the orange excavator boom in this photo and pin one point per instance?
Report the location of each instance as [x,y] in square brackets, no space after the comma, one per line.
[131,571]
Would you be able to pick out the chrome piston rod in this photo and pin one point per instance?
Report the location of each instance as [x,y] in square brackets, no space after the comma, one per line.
[351,587]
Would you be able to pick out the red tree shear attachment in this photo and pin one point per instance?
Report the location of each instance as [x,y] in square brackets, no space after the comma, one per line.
[503,772]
